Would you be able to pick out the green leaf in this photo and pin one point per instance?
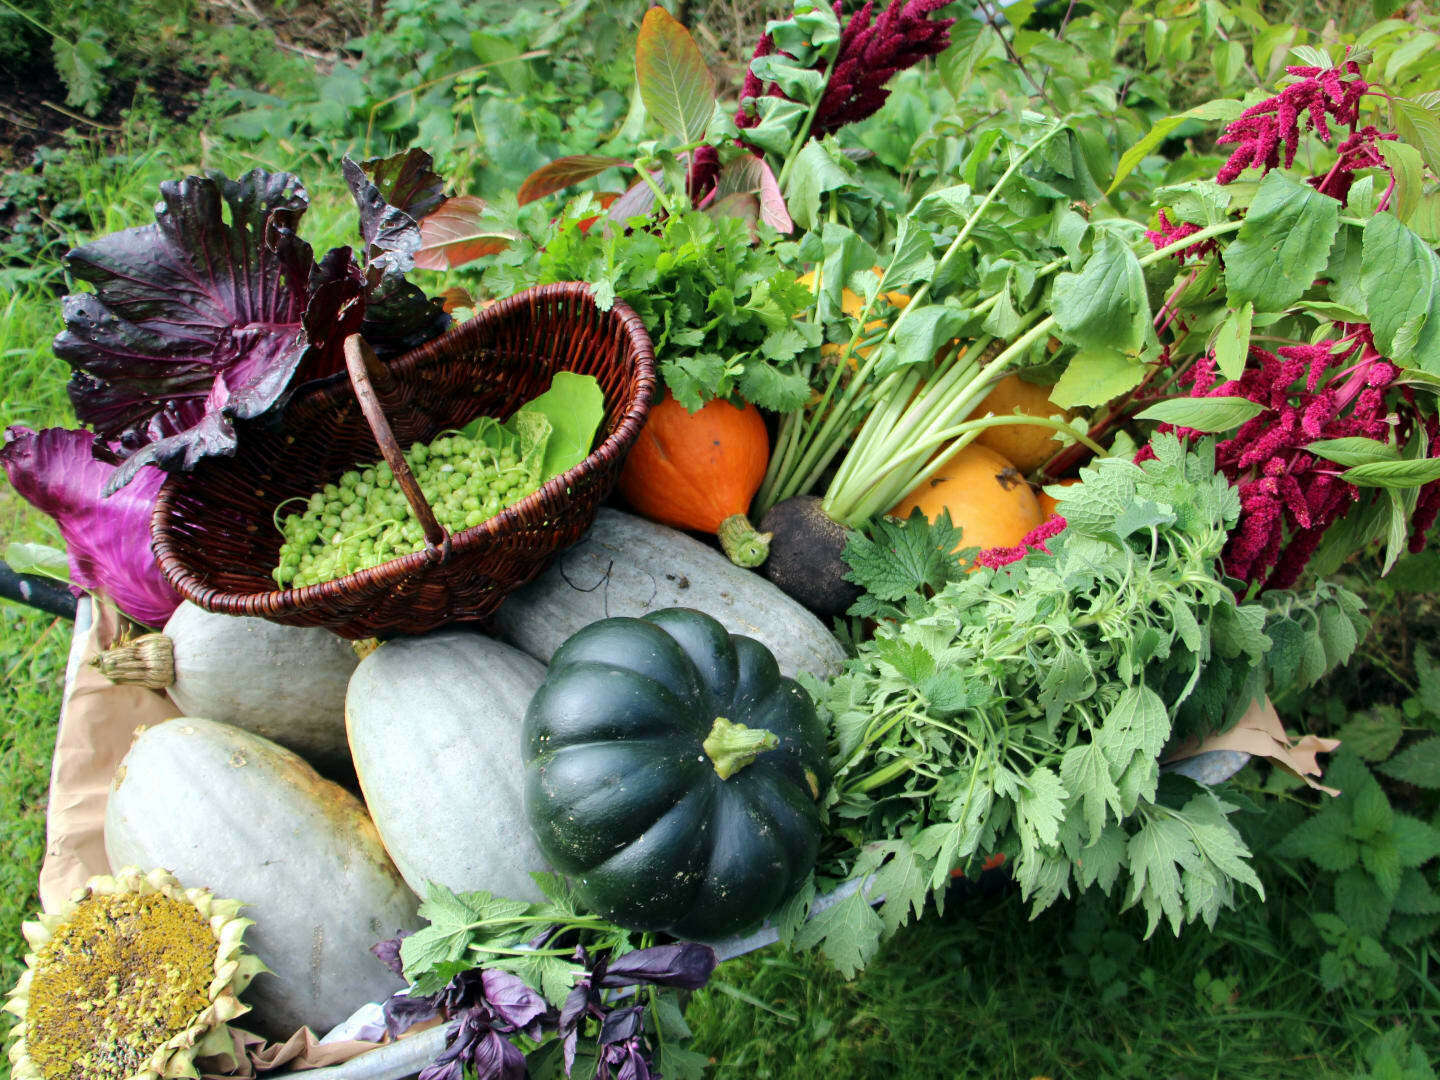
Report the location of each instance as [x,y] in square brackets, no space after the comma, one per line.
[1223,109]
[1370,812]
[791,915]
[1372,735]
[1409,172]
[1353,450]
[848,933]
[1416,843]
[1415,896]
[815,172]
[677,88]
[1406,473]
[918,336]
[1085,772]
[1208,414]
[1232,342]
[1323,840]
[677,1062]
[1427,673]
[904,883]
[1157,853]
[82,65]
[1100,862]
[1096,376]
[1420,127]
[575,407]
[1137,726]
[39,560]
[903,558]
[1040,807]
[1401,277]
[1381,858]
[1418,764]
[553,976]
[1360,903]
[1282,245]
[1105,305]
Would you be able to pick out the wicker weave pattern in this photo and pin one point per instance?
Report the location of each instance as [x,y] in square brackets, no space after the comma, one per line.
[212,529]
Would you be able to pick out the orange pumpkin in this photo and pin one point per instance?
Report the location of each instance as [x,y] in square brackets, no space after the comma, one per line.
[1048,503]
[987,498]
[1027,446]
[700,470]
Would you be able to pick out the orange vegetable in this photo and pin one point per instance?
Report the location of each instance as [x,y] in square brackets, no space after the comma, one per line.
[700,470]
[1027,446]
[987,498]
[1049,502]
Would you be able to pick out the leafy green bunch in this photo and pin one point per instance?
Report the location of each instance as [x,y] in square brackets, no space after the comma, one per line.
[1026,710]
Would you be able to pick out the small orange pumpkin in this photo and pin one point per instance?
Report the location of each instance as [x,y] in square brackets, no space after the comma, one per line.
[700,470]
[1049,502]
[986,497]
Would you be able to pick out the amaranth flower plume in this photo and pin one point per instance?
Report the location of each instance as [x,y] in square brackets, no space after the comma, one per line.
[871,51]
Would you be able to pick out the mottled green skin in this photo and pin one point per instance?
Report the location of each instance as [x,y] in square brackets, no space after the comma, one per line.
[622,797]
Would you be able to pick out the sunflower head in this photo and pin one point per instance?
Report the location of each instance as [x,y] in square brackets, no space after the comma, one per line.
[132,979]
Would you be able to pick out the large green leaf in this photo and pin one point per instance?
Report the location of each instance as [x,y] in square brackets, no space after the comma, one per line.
[1095,376]
[1105,305]
[1222,109]
[1283,244]
[677,88]
[1209,414]
[1401,277]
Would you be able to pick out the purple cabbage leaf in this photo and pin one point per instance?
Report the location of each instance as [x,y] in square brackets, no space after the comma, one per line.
[107,540]
[215,311]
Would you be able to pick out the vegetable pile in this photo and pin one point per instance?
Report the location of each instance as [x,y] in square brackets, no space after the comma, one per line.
[1063,437]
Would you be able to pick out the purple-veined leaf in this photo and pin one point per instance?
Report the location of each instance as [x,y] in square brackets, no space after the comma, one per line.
[457,234]
[562,172]
[752,174]
[107,540]
[676,87]
[637,201]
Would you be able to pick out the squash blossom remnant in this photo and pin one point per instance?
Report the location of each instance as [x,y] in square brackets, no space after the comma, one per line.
[131,980]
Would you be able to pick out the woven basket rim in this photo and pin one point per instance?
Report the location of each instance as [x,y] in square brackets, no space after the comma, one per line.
[291,601]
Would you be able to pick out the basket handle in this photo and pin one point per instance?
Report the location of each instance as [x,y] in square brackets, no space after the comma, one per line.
[371,379]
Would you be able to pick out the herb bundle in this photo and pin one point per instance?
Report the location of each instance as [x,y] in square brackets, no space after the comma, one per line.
[1025,710]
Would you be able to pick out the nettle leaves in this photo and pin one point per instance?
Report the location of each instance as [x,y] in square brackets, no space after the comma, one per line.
[210,314]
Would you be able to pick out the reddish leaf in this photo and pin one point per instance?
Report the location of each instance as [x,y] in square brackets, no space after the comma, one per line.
[457,234]
[741,204]
[638,201]
[561,173]
[675,85]
[456,297]
[751,175]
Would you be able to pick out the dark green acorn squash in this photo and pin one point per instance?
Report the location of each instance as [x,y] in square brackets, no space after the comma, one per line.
[674,774]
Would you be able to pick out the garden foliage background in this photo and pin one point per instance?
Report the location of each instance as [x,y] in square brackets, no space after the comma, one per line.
[99,103]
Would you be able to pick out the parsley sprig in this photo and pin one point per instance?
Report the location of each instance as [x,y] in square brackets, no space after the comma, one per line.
[1026,710]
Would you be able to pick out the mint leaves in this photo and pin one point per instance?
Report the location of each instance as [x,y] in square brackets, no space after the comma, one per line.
[1026,710]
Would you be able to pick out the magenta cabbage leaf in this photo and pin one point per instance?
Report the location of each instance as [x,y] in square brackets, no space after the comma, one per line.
[215,311]
[107,540]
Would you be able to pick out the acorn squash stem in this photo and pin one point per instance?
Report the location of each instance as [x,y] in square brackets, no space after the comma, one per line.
[745,545]
[733,746]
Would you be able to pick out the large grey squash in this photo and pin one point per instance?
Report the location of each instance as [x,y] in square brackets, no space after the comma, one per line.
[220,807]
[626,565]
[434,726]
[284,683]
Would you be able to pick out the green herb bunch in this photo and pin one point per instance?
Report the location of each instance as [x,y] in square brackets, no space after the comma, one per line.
[720,307]
[1025,710]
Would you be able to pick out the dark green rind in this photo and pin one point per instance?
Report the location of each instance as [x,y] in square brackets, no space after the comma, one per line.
[622,797]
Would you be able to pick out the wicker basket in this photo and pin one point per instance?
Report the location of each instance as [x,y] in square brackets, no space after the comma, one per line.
[213,532]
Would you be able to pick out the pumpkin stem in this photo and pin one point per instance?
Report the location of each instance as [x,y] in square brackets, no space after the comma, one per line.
[745,544]
[733,746]
[148,661]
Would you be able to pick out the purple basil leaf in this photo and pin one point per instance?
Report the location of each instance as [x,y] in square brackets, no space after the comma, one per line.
[627,1059]
[107,540]
[622,1024]
[511,1000]
[388,952]
[494,1057]
[686,965]
[403,1012]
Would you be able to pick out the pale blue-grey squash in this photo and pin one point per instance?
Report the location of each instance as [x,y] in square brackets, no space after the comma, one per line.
[626,565]
[220,807]
[435,726]
[283,683]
